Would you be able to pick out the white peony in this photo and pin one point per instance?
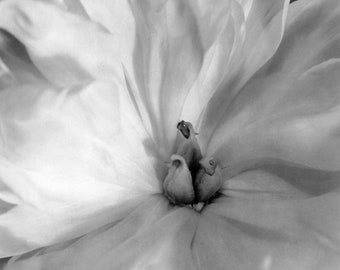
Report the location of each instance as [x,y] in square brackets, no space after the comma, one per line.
[91,93]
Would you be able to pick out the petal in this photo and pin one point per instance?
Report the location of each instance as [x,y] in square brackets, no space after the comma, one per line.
[6,77]
[178,43]
[71,161]
[272,224]
[116,16]
[153,236]
[278,227]
[14,54]
[289,111]
[262,34]
[69,49]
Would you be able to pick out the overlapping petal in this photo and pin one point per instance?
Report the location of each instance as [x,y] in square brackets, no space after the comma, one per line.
[173,39]
[70,166]
[282,131]
[70,162]
[259,223]
[262,33]
[68,49]
[18,63]
[289,111]
[187,51]
[154,235]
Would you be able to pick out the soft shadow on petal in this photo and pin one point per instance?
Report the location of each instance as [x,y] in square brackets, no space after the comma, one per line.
[14,54]
[68,159]
[152,236]
[296,123]
[264,222]
[176,40]
[290,111]
[220,51]
[262,34]
[68,49]
[116,17]
[246,6]
[6,76]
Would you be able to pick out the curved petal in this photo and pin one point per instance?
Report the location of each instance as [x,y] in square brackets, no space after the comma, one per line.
[71,161]
[68,49]
[290,111]
[16,59]
[246,5]
[262,34]
[276,227]
[178,43]
[6,76]
[153,236]
[272,224]
[116,16]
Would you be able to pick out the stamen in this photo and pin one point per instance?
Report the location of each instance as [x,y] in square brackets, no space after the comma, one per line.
[186,144]
[191,179]
[177,185]
[183,127]
[208,179]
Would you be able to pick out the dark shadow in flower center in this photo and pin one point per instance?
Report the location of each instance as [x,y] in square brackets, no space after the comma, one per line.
[192,179]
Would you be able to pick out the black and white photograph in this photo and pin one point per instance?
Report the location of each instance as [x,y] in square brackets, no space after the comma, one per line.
[169,135]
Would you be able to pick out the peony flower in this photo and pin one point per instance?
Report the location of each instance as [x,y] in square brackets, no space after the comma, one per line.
[170,134]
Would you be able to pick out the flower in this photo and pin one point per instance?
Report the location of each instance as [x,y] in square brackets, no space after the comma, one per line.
[91,94]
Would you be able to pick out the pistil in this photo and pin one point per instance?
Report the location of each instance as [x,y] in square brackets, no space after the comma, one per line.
[192,178]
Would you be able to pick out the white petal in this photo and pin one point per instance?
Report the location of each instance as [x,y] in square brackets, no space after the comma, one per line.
[151,236]
[68,49]
[174,50]
[290,110]
[71,162]
[276,227]
[262,33]
[14,55]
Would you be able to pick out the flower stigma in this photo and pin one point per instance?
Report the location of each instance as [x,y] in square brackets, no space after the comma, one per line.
[192,179]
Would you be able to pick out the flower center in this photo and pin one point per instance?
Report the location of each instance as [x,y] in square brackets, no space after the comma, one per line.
[192,178]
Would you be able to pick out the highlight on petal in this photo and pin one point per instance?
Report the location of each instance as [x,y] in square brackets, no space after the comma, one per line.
[262,31]
[6,77]
[179,52]
[68,49]
[272,224]
[289,111]
[246,5]
[71,161]
[115,15]
[151,236]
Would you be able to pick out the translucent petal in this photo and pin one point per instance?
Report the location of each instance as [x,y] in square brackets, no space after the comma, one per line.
[14,56]
[117,18]
[262,34]
[68,49]
[289,111]
[71,161]
[259,222]
[176,42]
[153,236]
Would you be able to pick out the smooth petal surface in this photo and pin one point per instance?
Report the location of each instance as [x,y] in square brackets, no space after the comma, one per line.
[68,49]
[259,216]
[173,39]
[290,111]
[71,161]
[281,215]
[261,35]
[265,219]
[18,63]
[185,51]
[117,18]
[153,236]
